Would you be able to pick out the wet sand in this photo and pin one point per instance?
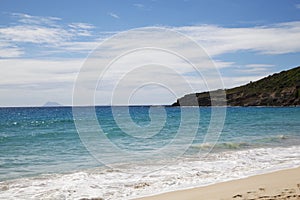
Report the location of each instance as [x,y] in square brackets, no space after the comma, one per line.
[283,185]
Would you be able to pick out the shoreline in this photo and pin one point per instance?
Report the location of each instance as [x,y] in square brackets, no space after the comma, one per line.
[180,176]
[282,184]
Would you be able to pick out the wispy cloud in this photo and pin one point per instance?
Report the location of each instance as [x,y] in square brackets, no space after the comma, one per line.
[46,32]
[142,7]
[256,69]
[81,29]
[81,25]
[274,39]
[34,34]
[114,15]
[297,6]
[29,19]
[9,50]
[138,5]
[271,39]
[255,66]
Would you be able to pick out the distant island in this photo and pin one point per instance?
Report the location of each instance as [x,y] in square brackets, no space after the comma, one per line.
[52,104]
[279,89]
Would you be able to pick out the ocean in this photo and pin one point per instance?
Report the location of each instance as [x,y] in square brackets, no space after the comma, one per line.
[137,151]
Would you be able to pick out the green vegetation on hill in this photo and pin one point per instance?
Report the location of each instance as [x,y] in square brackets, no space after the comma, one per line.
[280,89]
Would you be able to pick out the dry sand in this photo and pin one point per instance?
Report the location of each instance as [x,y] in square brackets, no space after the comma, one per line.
[283,184]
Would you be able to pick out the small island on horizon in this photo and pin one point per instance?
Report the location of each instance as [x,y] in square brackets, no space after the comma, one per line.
[52,104]
[279,89]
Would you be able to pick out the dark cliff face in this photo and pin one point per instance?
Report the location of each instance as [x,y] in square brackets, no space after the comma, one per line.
[281,89]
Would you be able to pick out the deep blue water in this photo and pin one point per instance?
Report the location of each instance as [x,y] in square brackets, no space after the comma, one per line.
[45,140]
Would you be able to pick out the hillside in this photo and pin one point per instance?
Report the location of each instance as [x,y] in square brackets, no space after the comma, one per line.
[280,89]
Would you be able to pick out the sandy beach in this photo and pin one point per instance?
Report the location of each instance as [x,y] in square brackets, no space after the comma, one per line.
[284,184]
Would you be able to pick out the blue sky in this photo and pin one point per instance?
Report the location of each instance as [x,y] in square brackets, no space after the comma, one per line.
[134,14]
[44,43]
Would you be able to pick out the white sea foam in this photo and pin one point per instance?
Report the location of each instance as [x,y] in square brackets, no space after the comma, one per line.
[131,183]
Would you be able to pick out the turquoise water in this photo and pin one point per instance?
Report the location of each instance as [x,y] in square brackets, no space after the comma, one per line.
[44,140]
[42,156]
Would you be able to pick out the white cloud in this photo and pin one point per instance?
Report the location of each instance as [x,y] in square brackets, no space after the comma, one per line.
[33,71]
[274,39]
[48,78]
[34,82]
[114,15]
[125,57]
[297,6]
[45,32]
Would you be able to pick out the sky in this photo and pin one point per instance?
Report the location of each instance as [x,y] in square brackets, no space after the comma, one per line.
[45,44]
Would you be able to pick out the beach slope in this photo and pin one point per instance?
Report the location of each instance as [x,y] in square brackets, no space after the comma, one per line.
[283,184]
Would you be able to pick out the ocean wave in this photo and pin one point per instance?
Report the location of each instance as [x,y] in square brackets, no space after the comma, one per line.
[275,138]
[131,182]
[222,145]
[250,143]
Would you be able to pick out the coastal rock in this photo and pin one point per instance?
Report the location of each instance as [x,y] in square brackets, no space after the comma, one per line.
[280,89]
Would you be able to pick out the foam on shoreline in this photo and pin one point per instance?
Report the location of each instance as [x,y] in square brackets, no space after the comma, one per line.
[133,180]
